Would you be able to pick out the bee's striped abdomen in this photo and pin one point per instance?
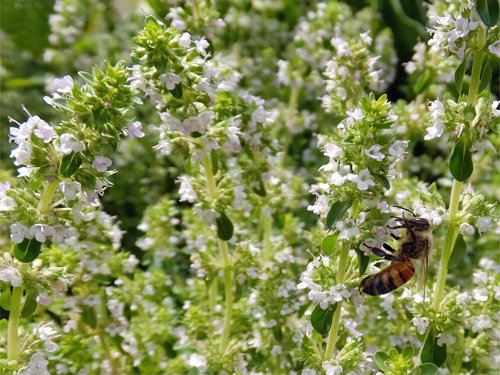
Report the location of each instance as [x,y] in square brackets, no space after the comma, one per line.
[390,278]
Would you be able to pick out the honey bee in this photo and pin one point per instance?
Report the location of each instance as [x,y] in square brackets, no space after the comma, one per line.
[414,243]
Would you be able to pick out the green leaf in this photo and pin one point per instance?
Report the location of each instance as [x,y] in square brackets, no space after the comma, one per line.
[427,369]
[29,305]
[408,351]
[28,250]
[328,243]
[337,212]
[224,227]
[431,352]
[461,166]
[458,251]
[363,261]
[70,164]
[177,91]
[382,359]
[459,75]
[424,80]
[321,320]
[5,298]
[89,317]
[485,77]
[383,180]
[488,11]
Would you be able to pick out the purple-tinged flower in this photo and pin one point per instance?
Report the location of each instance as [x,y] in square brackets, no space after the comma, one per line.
[62,85]
[134,130]
[101,163]
[44,131]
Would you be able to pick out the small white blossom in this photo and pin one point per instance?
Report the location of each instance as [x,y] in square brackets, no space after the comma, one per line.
[11,275]
[134,130]
[199,361]
[332,150]
[36,366]
[170,80]
[484,224]
[186,191]
[374,152]
[70,189]
[201,46]
[481,323]
[101,163]
[420,324]
[18,232]
[347,228]
[364,180]
[69,144]
[466,228]
[398,149]
[437,114]
[185,40]
[331,368]
[62,85]
[6,203]
[44,131]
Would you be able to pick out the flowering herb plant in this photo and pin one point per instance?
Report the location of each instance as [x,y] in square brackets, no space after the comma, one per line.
[214,194]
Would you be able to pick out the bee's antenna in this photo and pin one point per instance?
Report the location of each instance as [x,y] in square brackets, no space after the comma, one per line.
[406,209]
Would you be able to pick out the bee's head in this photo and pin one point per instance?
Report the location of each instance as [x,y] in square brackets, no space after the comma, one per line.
[419,225]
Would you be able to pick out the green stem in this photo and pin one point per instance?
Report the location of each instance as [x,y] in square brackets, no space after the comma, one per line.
[212,293]
[228,286]
[332,335]
[266,233]
[226,260]
[46,198]
[12,330]
[449,242]
[477,63]
[452,229]
[340,278]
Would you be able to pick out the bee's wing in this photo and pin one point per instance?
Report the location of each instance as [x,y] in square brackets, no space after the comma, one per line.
[421,271]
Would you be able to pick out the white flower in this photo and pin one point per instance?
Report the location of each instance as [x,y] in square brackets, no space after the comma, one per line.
[332,150]
[186,191]
[70,189]
[36,366]
[201,45]
[164,147]
[495,48]
[483,224]
[356,114]
[23,132]
[347,228]
[134,130]
[185,40]
[22,153]
[44,131]
[331,368]
[62,85]
[481,323]
[398,149]
[480,294]
[11,275]
[18,232]
[170,80]
[41,232]
[445,338]
[437,114]
[69,144]
[101,163]
[374,152]
[199,361]
[320,207]
[6,203]
[420,324]
[466,228]
[343,174]
[364,180]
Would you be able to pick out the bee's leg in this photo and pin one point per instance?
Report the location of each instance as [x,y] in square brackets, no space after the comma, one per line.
[389,247]
[381,253]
